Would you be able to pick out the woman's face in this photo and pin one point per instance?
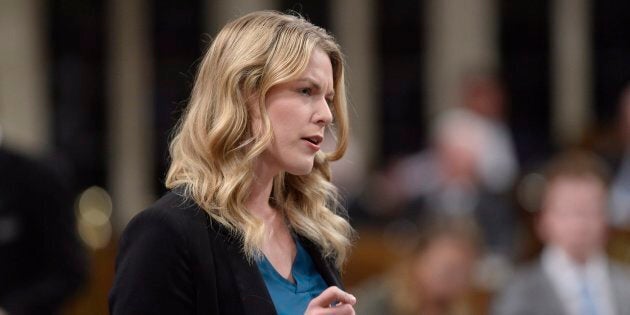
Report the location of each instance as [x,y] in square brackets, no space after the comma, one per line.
[299,111]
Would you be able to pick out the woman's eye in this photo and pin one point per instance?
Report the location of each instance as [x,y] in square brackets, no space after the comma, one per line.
[305,91]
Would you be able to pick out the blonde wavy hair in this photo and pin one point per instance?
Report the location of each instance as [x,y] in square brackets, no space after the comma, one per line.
[214,145]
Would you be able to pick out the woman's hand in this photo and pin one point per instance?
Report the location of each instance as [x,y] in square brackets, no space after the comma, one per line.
[332,301]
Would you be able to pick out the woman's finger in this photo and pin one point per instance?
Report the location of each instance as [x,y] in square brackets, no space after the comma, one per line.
[333,295]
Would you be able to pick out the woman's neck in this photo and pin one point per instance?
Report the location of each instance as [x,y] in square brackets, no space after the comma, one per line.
[260,192]
[278,246]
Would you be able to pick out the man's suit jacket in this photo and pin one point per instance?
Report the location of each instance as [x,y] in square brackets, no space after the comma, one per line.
[531,293]
[174,259]
[42,262]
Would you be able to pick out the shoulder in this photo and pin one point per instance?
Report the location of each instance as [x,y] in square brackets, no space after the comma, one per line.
[170,226]
[619,270]
[159,255]
[529,280]
[175,208]
[530,273]
[24,176]
[620,277]
[173,214]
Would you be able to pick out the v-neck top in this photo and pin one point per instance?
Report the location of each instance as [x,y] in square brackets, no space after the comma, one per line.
[293,298]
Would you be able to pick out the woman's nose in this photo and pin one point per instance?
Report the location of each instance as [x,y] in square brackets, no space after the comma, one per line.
[323,113]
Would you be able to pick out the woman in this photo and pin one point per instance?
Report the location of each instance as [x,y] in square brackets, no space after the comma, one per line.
[251,224]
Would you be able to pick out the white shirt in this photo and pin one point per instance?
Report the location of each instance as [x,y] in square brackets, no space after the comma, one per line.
[567,279]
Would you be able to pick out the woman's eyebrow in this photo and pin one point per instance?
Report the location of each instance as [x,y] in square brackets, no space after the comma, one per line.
[316,85]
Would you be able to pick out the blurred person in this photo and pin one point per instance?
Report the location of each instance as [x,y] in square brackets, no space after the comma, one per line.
[484,101]
[435,278]
[42,262]
[446,180]
[470,161]
[348,173]
[620,187]
[573,275]
[379,203]
[251,224]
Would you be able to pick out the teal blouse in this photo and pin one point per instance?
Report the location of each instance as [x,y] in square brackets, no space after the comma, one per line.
[293,298]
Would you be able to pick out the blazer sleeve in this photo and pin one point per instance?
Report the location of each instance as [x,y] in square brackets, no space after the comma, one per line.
[153,267]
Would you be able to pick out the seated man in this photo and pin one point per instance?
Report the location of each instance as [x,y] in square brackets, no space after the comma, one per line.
[573,275]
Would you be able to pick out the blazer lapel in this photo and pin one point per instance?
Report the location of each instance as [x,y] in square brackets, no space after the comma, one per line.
[255,297]
[546,296]
[324,267]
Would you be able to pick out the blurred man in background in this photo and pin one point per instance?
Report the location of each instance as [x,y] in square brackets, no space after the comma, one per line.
[41,260]
[573,275]
[447,180]
[484,101]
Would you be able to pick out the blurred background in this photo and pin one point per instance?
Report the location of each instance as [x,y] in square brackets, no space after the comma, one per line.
[455,107]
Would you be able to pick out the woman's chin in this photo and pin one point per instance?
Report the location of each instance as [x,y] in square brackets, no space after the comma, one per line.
[301,171]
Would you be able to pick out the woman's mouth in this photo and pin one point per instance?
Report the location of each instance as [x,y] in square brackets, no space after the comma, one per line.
[314,141]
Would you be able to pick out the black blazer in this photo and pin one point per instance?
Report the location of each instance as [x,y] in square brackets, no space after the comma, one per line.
[173,259]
